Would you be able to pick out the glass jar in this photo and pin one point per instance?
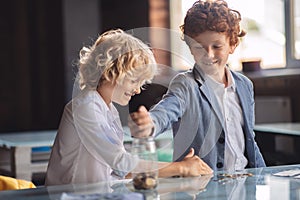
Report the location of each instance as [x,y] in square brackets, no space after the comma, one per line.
[145,175]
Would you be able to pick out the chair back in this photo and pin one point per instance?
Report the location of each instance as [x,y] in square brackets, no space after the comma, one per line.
[9,183]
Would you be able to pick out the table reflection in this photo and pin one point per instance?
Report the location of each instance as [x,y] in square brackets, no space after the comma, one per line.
[260,185]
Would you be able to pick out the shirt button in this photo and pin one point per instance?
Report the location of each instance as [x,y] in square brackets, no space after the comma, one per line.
[221,140]
[219,165]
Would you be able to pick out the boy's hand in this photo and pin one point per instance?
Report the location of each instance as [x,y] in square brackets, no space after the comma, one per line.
[192,165]
[140,123]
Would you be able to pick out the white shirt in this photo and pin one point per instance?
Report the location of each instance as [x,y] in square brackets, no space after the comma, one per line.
[233,121]
[89,143]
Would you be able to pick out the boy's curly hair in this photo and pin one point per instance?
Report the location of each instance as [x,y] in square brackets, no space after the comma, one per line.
[114,55]
[212,15]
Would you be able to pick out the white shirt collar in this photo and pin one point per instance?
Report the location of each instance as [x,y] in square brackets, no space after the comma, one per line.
[231,83]
[230,79]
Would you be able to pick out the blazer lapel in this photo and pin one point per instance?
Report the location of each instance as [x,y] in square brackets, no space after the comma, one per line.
[243,95]
[205,89]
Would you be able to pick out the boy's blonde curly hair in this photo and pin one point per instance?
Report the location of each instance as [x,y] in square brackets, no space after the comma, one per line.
[114,55]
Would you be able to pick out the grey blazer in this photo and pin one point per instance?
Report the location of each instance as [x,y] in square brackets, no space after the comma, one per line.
[190,108]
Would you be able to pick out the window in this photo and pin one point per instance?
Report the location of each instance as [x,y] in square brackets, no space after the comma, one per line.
[273,32]
[296,26]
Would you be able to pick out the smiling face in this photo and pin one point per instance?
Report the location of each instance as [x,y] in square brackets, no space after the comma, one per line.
[211,51]
[127,88]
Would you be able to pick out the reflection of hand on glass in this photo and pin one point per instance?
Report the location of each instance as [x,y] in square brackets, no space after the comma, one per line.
[192,184]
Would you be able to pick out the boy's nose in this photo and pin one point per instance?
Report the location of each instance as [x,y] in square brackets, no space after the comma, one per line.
[209,52]
[137,91]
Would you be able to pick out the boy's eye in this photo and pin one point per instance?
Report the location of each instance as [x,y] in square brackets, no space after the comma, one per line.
[217,46]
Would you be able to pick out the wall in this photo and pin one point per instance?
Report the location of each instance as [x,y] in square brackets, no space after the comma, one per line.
[32,72]
[40,41]
[279,82]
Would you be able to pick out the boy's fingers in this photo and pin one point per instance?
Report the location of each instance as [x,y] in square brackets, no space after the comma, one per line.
[142,109]
[191,153]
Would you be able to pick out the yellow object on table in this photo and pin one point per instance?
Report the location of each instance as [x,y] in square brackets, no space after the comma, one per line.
[9,183]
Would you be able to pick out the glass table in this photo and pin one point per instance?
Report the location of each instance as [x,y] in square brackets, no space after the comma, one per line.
[259,183]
